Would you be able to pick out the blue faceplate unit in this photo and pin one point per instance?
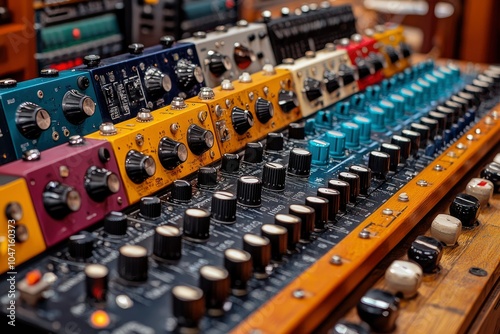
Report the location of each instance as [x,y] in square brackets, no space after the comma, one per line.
[45,112]
[145,78]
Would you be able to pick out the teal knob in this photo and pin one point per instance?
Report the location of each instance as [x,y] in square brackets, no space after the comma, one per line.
[390,111]
[399,105]
[320,151]
[448,75]
[418,91]
[351,131]
[365,128]
[324,118]
[388,85]
[409,97]
[410,74]
[377,115]
[427,88]
[372,93]
[357,101]
[342,110]
[337,143]
[309,128]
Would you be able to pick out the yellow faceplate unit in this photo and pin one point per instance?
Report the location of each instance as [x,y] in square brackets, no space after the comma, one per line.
[392,44]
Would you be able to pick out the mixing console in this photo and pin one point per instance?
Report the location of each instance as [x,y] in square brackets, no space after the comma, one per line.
[236,235]
[44,112]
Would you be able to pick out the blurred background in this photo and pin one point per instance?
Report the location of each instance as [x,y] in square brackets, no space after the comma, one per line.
[36,34]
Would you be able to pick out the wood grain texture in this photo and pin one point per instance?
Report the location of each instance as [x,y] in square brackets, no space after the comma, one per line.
[326,285]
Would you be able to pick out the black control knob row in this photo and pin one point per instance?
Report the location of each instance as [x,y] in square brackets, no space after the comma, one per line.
[307,216]
[264,110]
[260,249]
[81,245]
[275,141]
[254,152]
[249,191]
[188,305]
[242,120]
[182,191]
[207,177]
[238,263]
[215,284]
[278,237]
[354,184]
[133,263]
[167,243]
[230,163]
[320,206]
[77,107]
[344,189]
[223,207]
[333,197]
[116,223]
[379,163]
[365,177]
[273,176]
[150,207]
[196,224]
[299,163]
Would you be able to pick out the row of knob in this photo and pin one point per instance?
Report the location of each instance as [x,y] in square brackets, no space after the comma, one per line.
[380,308]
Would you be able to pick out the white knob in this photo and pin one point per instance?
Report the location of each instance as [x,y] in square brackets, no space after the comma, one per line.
[446,229]
[404,277]
[481,189]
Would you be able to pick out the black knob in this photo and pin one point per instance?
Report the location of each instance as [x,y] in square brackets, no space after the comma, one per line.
[81,245]
[320,206]
[354,184]
[415,141]
[96,282]
[278,237]
[312,88]
[139,166]
[363,68]
[133,263]
[249,191]
[275,141]
[454,107]
[207,177]
[365,177]
[199,139]
[440,118]
[405,49]
[188,305]
[296,131]
[116,223]
[32,120]
[307,217]
[292,224]
[167,41]
[379,163]
[150,207]
[224,207]
[347,74]
[253,152]
[238,263]
[218,63]
[333,197]
[156,82]
[136,48]
[167,243]
[91,61]
[299,163]
[242,120]
[424,131]
[243,56]
[433,125]
[464,104]
[392,53]
[215,284]
[188,74]
[230,163]
[465,207]
[264,110]
[273,176]
[379,309]
[344,189]
[260,249]
[287,100]
[427,252]
[345,327]
[331,80]
[376,61]
[404,144]
[492,173]
[101,183]
[77,107]
[60,200]
[196,224]
[182,191]
[394,152]
[171,153]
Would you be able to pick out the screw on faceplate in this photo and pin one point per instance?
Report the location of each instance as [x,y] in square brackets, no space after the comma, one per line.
[336,260]
[422,183]
[478,272]
[364,234]
[438,168]
[387,212]
[299,294]
[403,197]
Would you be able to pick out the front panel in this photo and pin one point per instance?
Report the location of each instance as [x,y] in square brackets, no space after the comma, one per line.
[228,52]
[20,234]
[145,78]
[44,112]
[175,142]
[72,186]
